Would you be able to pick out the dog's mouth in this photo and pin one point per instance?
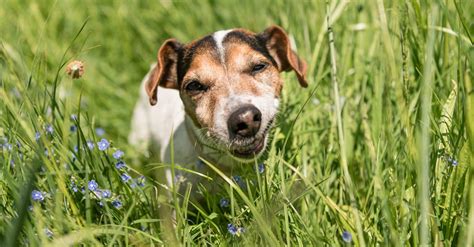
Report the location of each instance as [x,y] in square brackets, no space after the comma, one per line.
[251,150]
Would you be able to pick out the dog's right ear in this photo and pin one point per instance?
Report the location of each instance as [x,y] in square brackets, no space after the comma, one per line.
[165,72]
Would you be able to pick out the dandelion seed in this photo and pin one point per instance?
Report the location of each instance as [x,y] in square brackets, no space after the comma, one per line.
[125,177]
[37,195]
[224,203]
[75,69]
[90,145]
[117,204]
[346,236]
[120,165]
[99,131]
[118,154]
[49,129]
[92,185]
[103,144]
[48,233]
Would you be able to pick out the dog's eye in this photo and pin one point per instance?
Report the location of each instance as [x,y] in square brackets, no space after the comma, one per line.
[195,86]
[258,67]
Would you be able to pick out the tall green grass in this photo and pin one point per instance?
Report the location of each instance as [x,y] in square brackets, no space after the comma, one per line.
[378,149]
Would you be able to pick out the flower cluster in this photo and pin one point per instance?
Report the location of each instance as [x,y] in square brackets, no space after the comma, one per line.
[103,195]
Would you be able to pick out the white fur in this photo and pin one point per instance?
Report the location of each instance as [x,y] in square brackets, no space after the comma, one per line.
[219,37]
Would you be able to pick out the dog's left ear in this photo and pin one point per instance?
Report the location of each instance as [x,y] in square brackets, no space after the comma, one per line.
[165,72]
[278,45]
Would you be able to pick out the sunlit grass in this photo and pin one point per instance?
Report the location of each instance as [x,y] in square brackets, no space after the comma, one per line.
[378,150]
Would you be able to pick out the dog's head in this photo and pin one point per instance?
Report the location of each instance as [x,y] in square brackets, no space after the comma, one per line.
[229,83]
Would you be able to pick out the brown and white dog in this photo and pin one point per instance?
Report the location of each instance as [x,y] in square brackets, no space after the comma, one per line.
[217,97]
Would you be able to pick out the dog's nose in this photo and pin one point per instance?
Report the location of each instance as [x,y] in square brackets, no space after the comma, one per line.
[245,121]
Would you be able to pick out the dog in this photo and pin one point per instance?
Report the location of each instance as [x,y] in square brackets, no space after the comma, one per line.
[217,99]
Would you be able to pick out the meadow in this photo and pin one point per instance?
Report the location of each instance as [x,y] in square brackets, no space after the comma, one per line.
[377,151]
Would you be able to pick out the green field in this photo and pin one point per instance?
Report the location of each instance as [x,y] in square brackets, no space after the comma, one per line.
[377,151]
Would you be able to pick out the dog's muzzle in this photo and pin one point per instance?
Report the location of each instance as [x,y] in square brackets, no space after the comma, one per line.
[244,124]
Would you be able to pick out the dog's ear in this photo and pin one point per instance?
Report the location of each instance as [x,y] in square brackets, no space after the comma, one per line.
[165,72]
[278,45]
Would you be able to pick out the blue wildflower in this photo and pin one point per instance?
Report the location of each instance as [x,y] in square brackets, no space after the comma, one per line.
[238,180]
[37,196]
[346,236]
[224,203]
[141,181]
[100,203]
[49,129]
[73,117]
[117,203]
[18,144]
[92,185]
[37,135]
[234,230]
[103,144]
[12,164]
[90,145]
[119,165]
[261,168]
[106,193]
[118,154]
[74,188]
[48,233]
[73,128]
[99,131]
[125,177]
[454,163]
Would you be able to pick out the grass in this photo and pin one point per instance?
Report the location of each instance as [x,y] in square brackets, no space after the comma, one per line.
[379,147]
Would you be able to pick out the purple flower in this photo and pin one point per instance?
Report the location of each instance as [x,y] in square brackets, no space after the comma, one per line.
[103,144]
[119,165]
[125,177]
[117,203]
[49,129]
[224,203]
[235,230]
[37,135]
[92,185]
[118,154]
[106,193]
[37,196]
[74,188]
[90,145]
[346,236]
[99,131]
[261,168]
[73,128]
